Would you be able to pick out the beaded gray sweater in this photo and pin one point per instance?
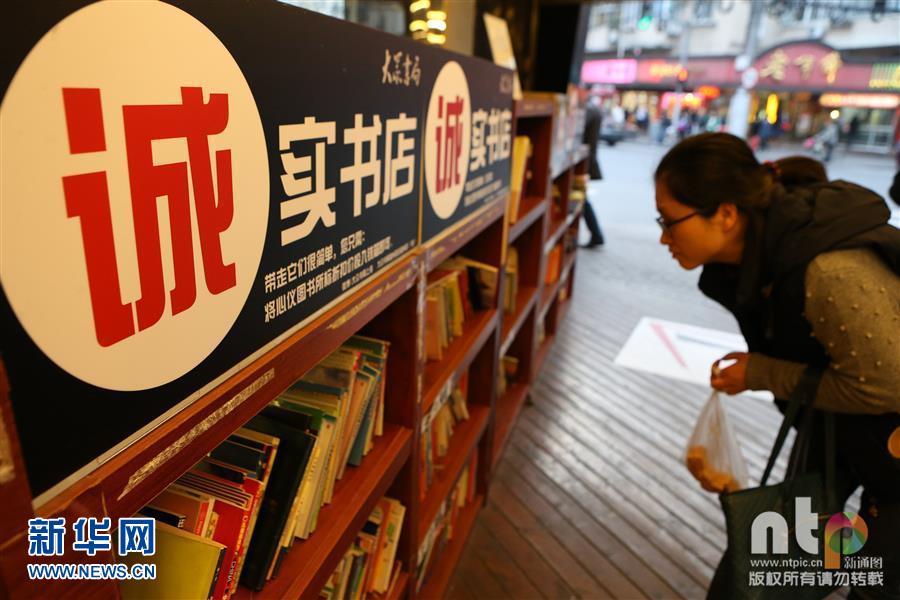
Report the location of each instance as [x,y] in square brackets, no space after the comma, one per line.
[853,305]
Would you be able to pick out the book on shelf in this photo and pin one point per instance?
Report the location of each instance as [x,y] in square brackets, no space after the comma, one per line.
[287,474]
[456,290]
[449,409]
[369,566]
[442,528]
[506,374]
[519,174]
[512,280]
[187,566]
[554,265]
[557,210]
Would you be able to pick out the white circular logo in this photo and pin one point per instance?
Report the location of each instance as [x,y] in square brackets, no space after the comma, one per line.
[134,195]
[448,130]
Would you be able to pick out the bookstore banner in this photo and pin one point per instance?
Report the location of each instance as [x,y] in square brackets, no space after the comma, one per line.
[467,138]
[184,184]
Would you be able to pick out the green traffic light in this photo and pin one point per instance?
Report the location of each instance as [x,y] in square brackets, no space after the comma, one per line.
[644,22]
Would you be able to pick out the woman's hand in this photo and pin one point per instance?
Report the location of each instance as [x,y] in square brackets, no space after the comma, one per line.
[731,380]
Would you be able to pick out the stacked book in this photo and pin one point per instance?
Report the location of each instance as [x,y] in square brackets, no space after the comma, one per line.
[441,530]
[207,519]
[449,408]
[456,290]
[265,485]
[369,566]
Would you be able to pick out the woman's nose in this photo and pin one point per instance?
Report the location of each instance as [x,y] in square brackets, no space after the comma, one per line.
[664,238]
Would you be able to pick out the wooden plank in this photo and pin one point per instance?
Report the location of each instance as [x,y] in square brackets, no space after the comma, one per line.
[458,355]
[462,444]
[497,560]
[530,564]
[585,570]
[471,581]
[441,572]
[309,564]
[627,487]
[651,466]
[632,530]
[592,540]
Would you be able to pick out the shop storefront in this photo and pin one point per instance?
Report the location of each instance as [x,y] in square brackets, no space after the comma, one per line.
[802,86]
[796,89]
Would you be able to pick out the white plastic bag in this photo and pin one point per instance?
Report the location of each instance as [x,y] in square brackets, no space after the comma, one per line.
[713,455]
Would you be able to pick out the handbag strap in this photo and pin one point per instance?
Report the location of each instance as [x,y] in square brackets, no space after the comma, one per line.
[804,393]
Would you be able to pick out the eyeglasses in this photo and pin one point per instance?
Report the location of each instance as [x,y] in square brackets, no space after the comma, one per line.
[668,225]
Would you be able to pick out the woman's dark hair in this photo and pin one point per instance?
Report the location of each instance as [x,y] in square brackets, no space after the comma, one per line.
[706,170]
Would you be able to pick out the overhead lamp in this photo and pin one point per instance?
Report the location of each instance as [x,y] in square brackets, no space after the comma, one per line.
[418,25]
[418,5]
[436,14]
[436,38]
[438,25]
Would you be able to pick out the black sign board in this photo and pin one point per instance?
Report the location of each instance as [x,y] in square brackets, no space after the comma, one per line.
[185,184]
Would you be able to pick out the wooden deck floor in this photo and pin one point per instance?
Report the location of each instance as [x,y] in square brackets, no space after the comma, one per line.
[591,498]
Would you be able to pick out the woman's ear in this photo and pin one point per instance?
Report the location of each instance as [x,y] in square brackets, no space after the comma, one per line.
[727,216]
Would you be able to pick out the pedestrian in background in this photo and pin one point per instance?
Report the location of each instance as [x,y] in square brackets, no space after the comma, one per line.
[811,271]
[593,122]
[829,138]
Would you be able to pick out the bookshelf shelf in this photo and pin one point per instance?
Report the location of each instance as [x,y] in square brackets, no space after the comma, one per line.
[309,563]
[458,356]
[389,306]
[507,412]
[557,229]
[462,444]
[441,572]
[531,209]
[525,299]
[127,482]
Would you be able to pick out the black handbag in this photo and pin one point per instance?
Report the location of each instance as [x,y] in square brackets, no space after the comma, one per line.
[732,579]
